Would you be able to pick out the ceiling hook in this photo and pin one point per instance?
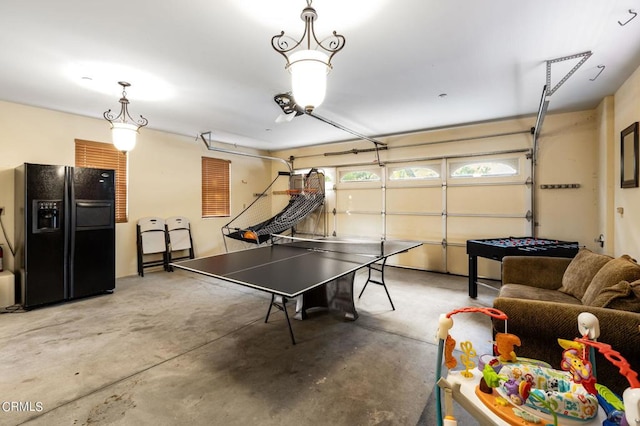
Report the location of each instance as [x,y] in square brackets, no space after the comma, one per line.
[602,67]
[630,19]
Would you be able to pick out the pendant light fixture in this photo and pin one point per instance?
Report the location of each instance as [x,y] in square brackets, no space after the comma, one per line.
[309,61]
[123,128]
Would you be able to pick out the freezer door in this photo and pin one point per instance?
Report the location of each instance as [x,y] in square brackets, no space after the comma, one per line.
[93,268]
[93,184]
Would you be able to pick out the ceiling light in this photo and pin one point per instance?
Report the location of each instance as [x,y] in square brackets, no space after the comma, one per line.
[124,129]
[310,60]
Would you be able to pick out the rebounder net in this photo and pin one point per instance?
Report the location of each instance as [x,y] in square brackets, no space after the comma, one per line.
[256,223]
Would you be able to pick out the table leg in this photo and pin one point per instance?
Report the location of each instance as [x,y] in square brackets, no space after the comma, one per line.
[282,307]
[340,296]
[336,295]
[473,276]
[273,297]
[314,298]
[379,268]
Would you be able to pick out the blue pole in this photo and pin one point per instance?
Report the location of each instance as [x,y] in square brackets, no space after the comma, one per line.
[437,388]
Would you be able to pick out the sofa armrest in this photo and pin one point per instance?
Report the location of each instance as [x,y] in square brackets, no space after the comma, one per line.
[536,271]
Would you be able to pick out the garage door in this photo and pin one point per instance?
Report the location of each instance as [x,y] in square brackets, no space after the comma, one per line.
[442,202]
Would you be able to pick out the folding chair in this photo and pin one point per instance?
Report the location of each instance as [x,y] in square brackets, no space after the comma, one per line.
[179,239]
[151,240]
[377,268]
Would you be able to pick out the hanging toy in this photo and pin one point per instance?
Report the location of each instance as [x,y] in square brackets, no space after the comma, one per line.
[574,360]
[449,345]
[468,353]
[505,343]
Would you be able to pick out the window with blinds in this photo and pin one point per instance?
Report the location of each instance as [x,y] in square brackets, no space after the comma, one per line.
[215,187]
[100,155]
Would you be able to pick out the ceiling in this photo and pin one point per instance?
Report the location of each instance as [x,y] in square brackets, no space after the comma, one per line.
[407,65]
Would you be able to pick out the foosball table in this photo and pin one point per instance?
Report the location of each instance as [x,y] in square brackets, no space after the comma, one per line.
[497,248]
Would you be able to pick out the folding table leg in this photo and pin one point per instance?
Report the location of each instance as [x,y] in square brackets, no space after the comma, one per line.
[284,308]
[381,282]
[273,296]
[286,314]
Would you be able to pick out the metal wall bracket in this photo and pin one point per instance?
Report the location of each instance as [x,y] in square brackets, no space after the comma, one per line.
[622,24]
[560,186]
[600,240]
[529,216]
[601,68]
[547,91]
[209,144]
[584,56]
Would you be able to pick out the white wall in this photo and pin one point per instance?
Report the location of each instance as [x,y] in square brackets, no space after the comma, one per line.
[164,174]
[568,153]
[606,182]
[627,224]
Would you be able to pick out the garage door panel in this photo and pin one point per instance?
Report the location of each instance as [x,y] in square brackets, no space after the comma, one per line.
[490,269]
[458,263]
[461,229]
[457,260]
[359,226]
[315,223]
[427,257]
[407,227]
[510,199]
[414,200]
[364,200]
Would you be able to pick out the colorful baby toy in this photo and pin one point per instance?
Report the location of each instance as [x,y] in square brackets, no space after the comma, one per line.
[524,391]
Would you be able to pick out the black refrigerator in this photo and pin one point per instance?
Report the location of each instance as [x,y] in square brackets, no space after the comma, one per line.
[65,233]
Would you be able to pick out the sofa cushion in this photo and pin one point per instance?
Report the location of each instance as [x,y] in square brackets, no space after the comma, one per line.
[623,268]
[630,303]
[609,294]
[624,296]
[523,291]
[581,271]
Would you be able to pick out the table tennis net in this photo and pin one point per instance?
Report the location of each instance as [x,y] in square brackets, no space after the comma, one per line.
[356,247]
[255,223]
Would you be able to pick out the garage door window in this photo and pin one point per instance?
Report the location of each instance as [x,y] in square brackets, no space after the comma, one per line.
[475,168]
[359,176]
[414,173]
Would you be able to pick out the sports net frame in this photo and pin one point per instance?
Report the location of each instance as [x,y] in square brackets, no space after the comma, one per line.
[255,224]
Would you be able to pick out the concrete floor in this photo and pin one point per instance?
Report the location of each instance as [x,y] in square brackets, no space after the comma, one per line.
[179,348]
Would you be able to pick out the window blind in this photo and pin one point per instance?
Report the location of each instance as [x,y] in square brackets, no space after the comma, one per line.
[100,155]
[215,187]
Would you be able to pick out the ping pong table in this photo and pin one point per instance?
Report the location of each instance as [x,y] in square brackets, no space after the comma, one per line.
[319,273]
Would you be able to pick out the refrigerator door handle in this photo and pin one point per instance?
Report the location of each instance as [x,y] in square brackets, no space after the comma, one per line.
[70,245]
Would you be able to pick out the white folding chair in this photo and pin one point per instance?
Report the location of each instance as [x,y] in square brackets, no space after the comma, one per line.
[180,244]
[151,240]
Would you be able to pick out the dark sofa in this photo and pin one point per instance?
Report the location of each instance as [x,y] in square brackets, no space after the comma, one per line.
[543,296]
